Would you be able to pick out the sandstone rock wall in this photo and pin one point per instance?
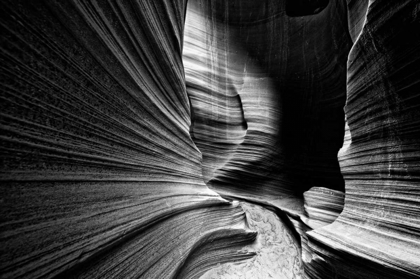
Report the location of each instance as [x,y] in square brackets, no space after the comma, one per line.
[377,233]
[128,129]
[99,175]
[267,92]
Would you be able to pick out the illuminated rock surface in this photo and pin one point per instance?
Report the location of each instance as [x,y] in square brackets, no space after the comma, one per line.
[166,139]
[377,234]
[100,177]
[322,206]
[277,252]
[259,95]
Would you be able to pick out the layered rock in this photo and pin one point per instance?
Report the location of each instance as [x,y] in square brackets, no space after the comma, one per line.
[377,233]
[345,242]
[100,178]
[266,117]
[322,206]
[249,93]
[107,144]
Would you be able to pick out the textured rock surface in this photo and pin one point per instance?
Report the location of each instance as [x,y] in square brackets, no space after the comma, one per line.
[277,253]
[377,233]
[115,115]
[322,206]
[100,177]
[264,111]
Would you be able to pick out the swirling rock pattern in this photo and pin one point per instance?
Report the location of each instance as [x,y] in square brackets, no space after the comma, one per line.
[116,115]
[259,95]
[99,175]
[377,232]
[322,206]
[236,111]
[277,252]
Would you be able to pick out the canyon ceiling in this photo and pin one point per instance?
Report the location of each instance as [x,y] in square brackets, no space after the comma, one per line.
[210,138]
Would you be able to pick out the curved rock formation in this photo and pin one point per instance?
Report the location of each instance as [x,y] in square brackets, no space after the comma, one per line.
[259,95]
[278,254]
[322,206]
[188,139]
[377,233]
[100,178]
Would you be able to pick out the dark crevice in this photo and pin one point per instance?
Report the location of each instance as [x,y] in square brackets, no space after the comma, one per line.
[296,8]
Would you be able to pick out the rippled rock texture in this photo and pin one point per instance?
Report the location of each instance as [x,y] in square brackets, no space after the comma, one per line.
[377,232]
[188,139]
[100,178]
[278,254]
[263,110]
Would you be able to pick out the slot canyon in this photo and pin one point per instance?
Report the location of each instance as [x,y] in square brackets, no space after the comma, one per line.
[210,139]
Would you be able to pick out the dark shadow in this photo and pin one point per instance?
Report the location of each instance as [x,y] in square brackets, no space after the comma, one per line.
[305,7]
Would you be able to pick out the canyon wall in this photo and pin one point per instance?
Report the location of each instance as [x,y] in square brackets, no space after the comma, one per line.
[130,130]
[99,175]
[376,235]
[267,93]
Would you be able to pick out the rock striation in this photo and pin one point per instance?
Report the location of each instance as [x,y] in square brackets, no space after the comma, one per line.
[188,139]
[99,175]
[377,233]
[264,111]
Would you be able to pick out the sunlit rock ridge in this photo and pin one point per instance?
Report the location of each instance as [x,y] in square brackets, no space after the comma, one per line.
[210,139]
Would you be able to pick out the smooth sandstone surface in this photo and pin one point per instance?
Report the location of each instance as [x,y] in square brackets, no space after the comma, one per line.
[210,139]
